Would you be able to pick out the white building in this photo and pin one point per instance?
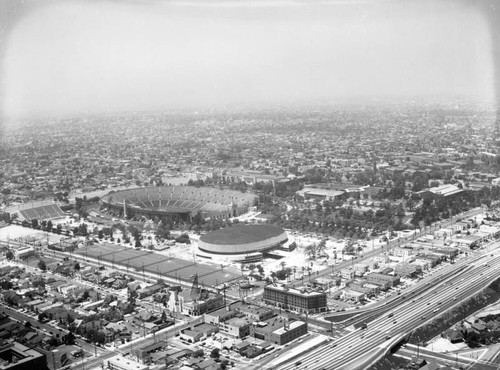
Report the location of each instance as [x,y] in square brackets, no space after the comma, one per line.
[119,362]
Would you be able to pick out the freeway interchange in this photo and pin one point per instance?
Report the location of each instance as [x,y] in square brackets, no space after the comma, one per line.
[391,323]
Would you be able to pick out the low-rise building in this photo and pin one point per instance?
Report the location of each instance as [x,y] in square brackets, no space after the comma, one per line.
[68,289]
[183,303]
[237,326]
[385,281]
[402,252]
[253,312]
[278,330]
[23,251]
[191,336]
[149,290]
[143,354]
[431,258]
[16,356]
[353,295]
[424,264]
[119,362]
[347,273]
[406,269]
[381,259]
[360,269]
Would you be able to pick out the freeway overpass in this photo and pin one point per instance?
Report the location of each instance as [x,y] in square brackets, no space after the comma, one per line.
[346,352]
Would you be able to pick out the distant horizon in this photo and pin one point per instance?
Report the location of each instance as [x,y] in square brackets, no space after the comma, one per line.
[75,57]
[352,102]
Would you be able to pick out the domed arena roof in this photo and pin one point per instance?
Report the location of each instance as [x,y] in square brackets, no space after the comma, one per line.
[241,239]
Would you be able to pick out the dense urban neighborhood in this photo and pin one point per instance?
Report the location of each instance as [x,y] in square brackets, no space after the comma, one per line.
[268,239]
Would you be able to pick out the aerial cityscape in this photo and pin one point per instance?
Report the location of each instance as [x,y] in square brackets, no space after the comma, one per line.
[247,185]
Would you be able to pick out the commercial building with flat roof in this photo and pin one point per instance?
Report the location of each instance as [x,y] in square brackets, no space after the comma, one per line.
[385,281]
[237,326]
[121,363]
[301,300]
[16,356]
[278,330]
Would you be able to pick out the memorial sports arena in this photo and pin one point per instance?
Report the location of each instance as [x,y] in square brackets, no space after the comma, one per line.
[243,243]
[179,203]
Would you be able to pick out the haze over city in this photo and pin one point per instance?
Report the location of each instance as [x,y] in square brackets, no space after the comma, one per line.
[84,56]
[279,185]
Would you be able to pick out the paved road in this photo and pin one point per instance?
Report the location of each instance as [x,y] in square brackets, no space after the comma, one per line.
[22,317]
[410,314]
[395,243]
[444,358]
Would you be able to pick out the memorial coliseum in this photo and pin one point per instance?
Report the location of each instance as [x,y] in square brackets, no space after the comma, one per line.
[241,243]
[178,202]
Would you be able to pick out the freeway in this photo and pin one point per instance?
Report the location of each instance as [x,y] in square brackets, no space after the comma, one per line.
[438,277]
[360,347]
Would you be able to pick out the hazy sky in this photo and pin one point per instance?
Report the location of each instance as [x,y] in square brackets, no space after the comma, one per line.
[72,56]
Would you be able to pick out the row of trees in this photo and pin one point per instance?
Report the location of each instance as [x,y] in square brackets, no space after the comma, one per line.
[341,222]
[433,210]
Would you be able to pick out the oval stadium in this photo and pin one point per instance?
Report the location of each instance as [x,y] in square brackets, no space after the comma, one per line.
[178,202]
[241,243]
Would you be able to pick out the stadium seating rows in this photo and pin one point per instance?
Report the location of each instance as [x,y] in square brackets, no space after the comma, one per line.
[209,200]
[47,212]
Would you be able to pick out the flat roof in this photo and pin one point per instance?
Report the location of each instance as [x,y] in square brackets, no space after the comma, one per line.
[304,292]
[291,326]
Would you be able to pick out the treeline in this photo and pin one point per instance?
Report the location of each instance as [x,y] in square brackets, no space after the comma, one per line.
[333,219]
[433,210]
